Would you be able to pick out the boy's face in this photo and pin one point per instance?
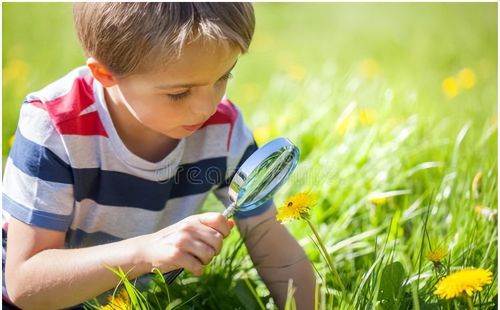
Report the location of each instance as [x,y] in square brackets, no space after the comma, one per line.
[176,100]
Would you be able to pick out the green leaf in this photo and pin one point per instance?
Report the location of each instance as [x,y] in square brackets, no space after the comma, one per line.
[391,283]
[245,296]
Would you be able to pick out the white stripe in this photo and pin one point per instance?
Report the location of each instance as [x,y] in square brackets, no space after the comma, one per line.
[241,138]
[126,222]
[206,143]
[60,87]
[89,109]
[34,193]
[35,125]
[98,152]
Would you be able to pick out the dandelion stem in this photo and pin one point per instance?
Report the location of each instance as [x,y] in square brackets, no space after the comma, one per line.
[470,305]
[326,255]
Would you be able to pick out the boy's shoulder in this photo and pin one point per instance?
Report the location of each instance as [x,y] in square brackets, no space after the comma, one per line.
[68,102]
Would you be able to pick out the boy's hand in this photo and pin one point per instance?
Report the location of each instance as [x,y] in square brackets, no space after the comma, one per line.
[189,244]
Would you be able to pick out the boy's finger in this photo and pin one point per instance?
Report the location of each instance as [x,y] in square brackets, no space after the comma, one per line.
[217,221]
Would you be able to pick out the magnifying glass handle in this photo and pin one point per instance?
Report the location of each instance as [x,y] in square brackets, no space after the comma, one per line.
[172,275]
[229,211]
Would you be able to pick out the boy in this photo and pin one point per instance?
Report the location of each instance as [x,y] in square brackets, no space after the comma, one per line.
[111,161]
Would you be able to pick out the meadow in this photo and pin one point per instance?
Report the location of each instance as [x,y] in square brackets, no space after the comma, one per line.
[394,109]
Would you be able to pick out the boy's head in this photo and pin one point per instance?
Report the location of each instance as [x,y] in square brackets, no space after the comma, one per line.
[164,66]
[132,38]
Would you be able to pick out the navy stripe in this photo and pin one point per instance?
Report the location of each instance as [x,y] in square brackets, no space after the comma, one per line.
[114,188]
[78,238]
[254,212]
[120,189]
[248,151]
[36,217]
[39,161]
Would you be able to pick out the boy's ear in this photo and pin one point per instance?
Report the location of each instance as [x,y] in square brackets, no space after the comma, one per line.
[100,73]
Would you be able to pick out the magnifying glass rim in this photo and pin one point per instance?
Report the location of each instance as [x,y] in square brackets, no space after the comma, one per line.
[254,160]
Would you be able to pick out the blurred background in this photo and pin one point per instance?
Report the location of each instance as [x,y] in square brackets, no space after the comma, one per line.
[394,108]
[408,49]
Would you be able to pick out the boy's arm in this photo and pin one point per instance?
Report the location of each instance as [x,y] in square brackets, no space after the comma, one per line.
[41,274]
[278,257]
[44,275]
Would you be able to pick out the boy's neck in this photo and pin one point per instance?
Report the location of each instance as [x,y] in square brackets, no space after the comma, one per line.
[140,140]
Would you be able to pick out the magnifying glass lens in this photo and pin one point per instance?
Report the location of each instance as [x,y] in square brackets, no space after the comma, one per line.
[268,176]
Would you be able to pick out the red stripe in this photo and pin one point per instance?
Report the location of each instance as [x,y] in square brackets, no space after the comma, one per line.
[86,125]
[65,110]
[226,114]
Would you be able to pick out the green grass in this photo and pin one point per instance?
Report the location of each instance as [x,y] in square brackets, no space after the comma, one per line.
[386,128]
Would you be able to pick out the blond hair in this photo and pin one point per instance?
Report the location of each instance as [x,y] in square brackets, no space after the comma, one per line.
[136,37]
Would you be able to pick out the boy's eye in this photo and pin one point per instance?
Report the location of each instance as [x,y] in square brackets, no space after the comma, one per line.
[180,96]
[177,97]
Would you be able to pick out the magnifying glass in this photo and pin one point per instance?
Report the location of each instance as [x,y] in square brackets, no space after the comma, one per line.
[256,181]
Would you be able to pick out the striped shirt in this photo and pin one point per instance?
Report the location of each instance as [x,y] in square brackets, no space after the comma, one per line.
[68,169]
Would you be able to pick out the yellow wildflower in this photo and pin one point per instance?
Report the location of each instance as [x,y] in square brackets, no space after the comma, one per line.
[263,134]
[11,140]
[378,199]
[450,87]
[119,301]
[487,213]
[366,117]
[465,281]
[345,124]
[436,255]
[296,207]
[296,72]
[369,68]
[251,91]
[466,78]
[476,184]
[16,70]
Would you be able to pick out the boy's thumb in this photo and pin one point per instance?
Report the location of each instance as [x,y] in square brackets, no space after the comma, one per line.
[231,223]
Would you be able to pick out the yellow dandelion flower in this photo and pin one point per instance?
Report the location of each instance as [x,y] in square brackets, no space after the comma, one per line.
[296,207]
[369,68]
[378,199]
[17,70]
[11,141]
[450,87]
[345,124]
[251,91]
[466,78]
[436,255]
[120,301]
[263,134]
[494,120]
[487,213]
[476,184]
[367,117]
[466,281]
[296,72]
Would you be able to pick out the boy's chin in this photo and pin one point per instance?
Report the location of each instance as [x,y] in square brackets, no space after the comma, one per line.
[179,134]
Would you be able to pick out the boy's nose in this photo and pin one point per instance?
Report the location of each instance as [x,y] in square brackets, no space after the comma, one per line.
[204,106]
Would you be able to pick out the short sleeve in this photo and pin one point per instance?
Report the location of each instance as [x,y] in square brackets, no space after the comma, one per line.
[241,146]
[38,180]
